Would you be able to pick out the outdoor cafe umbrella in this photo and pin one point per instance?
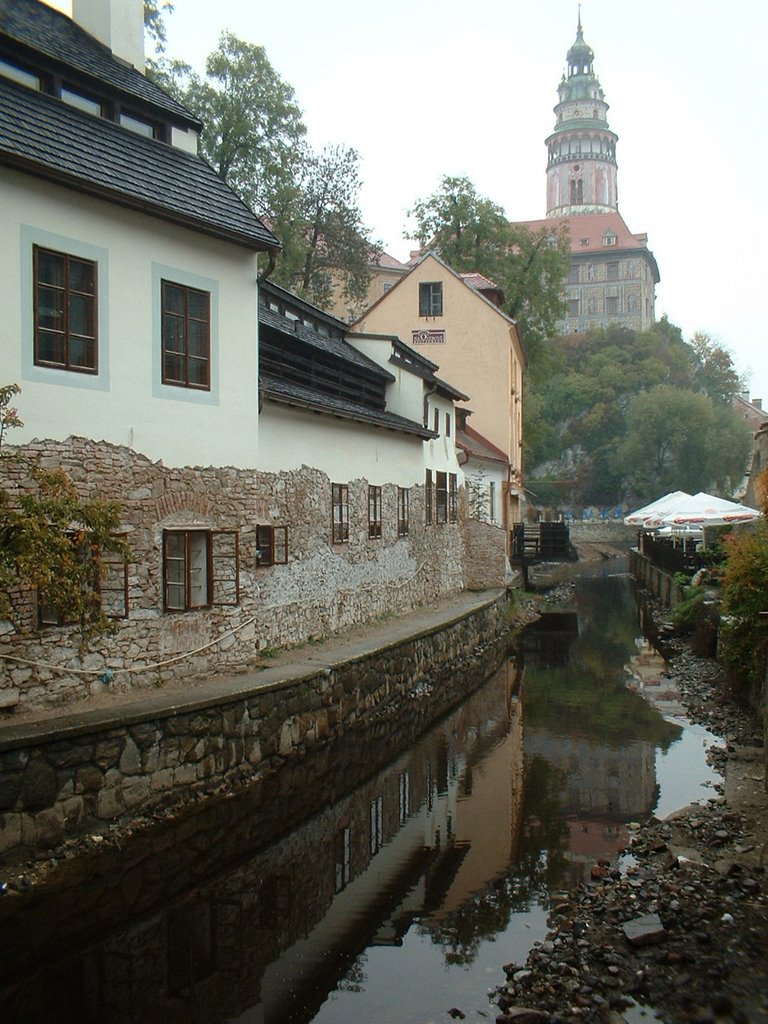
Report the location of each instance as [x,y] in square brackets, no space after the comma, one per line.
[706,510]
[659,507]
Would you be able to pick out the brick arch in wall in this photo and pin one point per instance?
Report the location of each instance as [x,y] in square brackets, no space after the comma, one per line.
[178,507]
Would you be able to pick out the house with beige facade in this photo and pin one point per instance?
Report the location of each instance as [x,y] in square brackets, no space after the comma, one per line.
[453,320]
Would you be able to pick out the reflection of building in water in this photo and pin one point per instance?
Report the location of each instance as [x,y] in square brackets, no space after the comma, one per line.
[603,787]
[549,639]
[267,940]
[647,677]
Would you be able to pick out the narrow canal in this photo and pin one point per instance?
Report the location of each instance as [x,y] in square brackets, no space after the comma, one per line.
[392,896]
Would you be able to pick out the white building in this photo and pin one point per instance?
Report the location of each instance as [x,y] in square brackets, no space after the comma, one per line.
[264,504]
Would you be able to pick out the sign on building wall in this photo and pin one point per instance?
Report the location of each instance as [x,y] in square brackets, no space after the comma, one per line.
[427,337]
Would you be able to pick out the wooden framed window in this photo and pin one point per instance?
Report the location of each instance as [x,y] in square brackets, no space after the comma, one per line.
[453,498]
[201,568]
[113,586]
[271,545]
[191,947]
[404,796]
[108,578]
[374,512]
[428,515]
[65,312]
[441,496]
[186,336]
[431,298]
[342,858]
[340,522]
[403,511]
[447,424]
[377,824]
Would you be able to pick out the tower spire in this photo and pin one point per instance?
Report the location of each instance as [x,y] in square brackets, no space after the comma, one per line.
[581,170]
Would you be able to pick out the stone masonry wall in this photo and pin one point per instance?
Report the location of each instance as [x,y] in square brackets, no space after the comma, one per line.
[55,784]
[486,559]
[323,588]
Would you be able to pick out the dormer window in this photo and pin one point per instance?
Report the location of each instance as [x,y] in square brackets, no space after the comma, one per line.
[20,75]
[610,239]
[137,125]
[81,101]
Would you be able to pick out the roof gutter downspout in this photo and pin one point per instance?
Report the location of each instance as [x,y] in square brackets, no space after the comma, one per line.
[269,268]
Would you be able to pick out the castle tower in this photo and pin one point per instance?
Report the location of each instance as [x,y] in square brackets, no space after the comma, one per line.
[581,169]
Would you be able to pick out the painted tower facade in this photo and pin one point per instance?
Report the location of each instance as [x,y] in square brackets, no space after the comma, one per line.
[613,273]
[581,169]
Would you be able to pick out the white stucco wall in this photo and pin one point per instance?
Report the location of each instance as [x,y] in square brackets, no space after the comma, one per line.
[405,396]
[480,474]
[126,403]
[290,438]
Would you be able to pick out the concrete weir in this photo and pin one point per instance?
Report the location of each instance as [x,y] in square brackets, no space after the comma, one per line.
[63,775]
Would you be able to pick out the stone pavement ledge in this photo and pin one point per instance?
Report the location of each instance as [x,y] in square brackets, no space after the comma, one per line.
[286,667]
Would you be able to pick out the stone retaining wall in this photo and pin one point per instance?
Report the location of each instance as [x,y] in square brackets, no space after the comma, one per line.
[324,587]
[661,584]
[605,531]
[53,785]
[485,556]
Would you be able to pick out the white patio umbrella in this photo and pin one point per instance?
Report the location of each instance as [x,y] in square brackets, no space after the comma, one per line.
[660,507]
[707,510]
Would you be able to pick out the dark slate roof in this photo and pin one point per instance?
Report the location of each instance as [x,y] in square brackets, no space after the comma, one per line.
[294,394]
[289,298]
[336,347]
[39,28]
[43,136]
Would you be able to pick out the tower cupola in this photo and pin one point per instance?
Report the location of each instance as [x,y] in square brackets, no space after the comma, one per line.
[581,169]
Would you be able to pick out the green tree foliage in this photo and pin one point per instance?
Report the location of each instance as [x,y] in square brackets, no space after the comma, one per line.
[253,133]
[327,243]
[713,371]
[626,415]
[154,22]
[255,138]
[54,542]
[471,233]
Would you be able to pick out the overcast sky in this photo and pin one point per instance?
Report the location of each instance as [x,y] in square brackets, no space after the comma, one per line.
[423,88]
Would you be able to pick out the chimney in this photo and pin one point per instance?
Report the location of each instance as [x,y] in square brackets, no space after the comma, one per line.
[758,403]
[119,24]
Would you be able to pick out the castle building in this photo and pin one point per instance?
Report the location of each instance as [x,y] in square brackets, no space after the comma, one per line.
[613,274]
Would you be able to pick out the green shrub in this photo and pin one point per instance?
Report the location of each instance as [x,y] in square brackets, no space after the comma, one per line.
[745,597]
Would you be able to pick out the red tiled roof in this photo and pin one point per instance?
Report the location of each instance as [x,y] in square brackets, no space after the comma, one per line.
[478,281]
[473,443]
[590,228]
[387,262]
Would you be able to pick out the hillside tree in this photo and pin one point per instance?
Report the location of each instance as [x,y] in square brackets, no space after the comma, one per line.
[471,233]
[255,139]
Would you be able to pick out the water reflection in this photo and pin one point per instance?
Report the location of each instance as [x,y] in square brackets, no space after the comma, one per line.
[342,890]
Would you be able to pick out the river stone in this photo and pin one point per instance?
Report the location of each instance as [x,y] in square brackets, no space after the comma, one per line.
[522,1015]
[644,931]
[39,787]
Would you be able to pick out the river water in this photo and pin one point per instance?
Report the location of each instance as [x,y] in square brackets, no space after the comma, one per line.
[397,893]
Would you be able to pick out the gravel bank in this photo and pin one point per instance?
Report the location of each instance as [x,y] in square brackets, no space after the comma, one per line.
[677,929]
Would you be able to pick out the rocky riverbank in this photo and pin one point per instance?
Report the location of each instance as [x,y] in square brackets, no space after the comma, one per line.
[677,929]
